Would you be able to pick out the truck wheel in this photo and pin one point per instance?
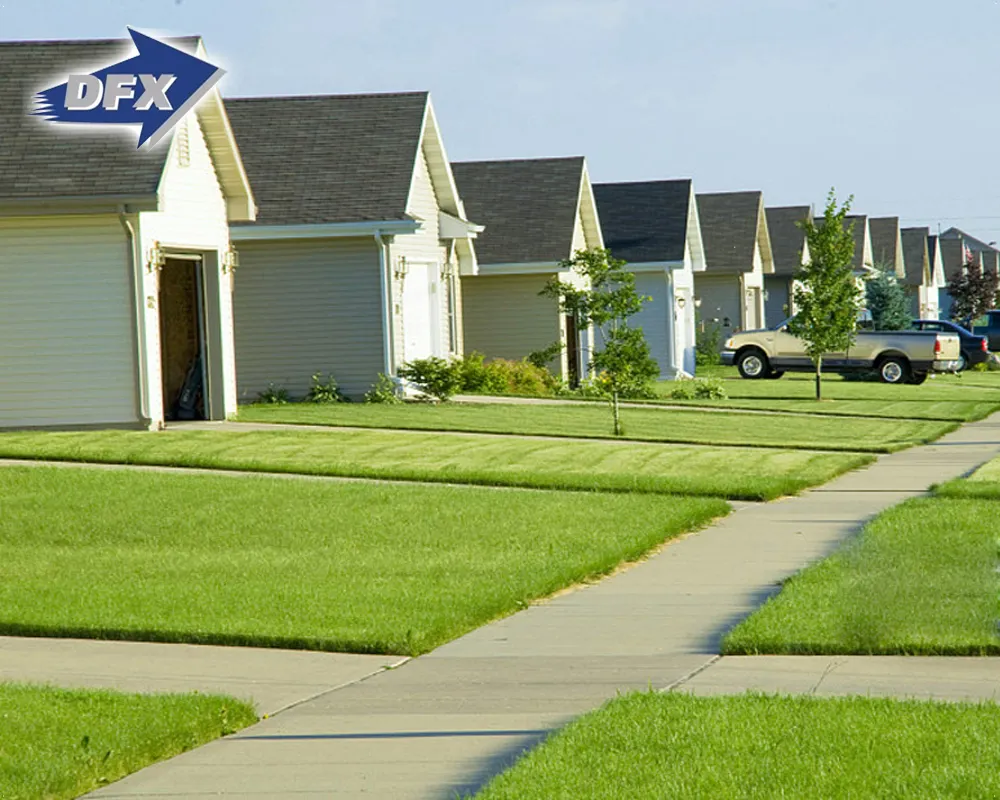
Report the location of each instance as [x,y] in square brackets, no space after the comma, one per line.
[918,378]
[774,374]
[963,362]
[752,364]
[894,369]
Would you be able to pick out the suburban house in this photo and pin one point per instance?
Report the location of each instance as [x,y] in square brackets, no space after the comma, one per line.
[730,292]
[538,212]
[115,264]
[887,244]
[791,253]
[653,225]
[986,255]
[352,266]
[924,272]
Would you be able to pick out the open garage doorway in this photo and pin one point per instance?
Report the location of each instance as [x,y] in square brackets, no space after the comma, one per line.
[182,338]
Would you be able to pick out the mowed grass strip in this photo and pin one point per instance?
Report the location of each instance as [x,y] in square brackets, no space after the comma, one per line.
[57,743]
[735,473]
[593,421]
[946,410]
[264,561]
[921,579]
[652,745]
[984,483]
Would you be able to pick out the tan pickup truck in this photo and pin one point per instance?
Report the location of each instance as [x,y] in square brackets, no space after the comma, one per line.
[897,356]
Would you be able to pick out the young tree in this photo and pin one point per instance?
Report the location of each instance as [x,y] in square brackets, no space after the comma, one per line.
[827,295]
[973,292]
[624,364]
[887,300]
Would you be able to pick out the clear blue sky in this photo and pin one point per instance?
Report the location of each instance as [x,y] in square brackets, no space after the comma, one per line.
[894,101]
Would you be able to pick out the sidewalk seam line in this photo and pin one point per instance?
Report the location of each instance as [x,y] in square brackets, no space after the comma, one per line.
[694,673]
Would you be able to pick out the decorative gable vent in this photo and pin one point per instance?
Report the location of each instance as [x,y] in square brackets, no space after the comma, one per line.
[183,144]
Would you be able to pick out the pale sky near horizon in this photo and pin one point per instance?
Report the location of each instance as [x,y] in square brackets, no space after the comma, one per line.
[893,101]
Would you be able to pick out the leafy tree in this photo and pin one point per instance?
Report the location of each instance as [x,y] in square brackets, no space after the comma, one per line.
[624,365]
[827,295]
[887,300]
[973,292]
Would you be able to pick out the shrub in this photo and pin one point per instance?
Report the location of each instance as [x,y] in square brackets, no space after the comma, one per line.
[707,343]
[384,390]
[434,376]
[699,389]
[478,376]
[541,358]
[520,377]
[324,391]
[273,395]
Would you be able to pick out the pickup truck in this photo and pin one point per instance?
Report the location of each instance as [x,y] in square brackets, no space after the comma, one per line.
[897,356]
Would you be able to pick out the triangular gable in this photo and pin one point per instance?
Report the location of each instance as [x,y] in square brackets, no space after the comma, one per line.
[587,211]
[764,240]
[694,245]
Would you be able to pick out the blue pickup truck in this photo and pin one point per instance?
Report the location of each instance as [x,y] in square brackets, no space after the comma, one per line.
[974,347]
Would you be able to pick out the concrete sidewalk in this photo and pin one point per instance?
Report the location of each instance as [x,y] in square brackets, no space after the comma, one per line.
[444,723]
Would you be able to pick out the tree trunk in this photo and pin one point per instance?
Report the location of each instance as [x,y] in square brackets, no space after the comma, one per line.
[615,413]
[819,370]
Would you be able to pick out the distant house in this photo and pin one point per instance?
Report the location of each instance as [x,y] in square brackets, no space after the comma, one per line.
[959,248]
[791,253]
[730,292]
[653,225]
[924,272]
[863,259]
[537,213]
[353,264]
[115,279]
[887,244]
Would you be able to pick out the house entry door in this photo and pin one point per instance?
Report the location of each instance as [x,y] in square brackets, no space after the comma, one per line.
[420,311]
[182,339]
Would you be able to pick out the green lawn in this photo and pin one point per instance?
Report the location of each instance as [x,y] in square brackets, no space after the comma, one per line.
[593,421]
[57,744]
[984,483]
[275,562]
[921,579]
[735,473]
[752,746]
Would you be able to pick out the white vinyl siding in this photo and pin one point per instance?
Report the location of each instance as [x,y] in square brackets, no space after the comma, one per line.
[505,317]
[192,218]
[423,247]
[579,235]
[308,306]
[67,344]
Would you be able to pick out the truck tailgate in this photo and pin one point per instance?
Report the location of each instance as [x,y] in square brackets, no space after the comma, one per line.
[948,347]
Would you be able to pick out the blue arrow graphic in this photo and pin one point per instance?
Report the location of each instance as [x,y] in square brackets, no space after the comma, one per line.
[154,89]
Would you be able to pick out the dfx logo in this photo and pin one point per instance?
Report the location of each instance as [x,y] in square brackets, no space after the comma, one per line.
[154,89]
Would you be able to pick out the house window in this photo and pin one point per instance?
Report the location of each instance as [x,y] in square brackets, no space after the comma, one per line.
[183,144]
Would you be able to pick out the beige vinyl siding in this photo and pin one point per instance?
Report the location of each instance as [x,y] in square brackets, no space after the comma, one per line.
[67,344]
[504,316]
[192,217]
[306,306]
[579,235]
[424,246]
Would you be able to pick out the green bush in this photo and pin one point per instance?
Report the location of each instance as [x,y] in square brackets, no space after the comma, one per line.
[477,376]
[384,391]
[708,342]
[273,395]
[699,389]
[434,376]
[324,391]
[521,377]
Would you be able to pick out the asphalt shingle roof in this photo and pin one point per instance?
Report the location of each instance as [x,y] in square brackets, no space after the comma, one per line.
[787,238]
[729,229]
[883,232]
[528,206]
[41,160]
[971,241]
[916,254]
[330,158]
[953,256]
[645,221]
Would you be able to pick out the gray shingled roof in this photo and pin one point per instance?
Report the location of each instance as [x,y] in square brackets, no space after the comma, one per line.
[330,158]
[971,241]
[729,229]
[860,227]
[916,254]
[953,256]
[787,238]
[644,221]
[43,161]
[528,206]
[883,232]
